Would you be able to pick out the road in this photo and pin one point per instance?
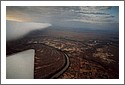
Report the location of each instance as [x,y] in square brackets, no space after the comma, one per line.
[63,69]
[36,47]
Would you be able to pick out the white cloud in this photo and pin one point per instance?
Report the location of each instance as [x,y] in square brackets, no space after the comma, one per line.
[17,29]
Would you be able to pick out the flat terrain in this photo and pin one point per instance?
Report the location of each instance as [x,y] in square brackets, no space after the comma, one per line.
[92,54]
[47,60]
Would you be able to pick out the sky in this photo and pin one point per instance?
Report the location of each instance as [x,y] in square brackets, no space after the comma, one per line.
[70,16]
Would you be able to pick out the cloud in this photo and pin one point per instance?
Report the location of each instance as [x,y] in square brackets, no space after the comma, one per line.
[94,8]
[17,29]
[94,14]
[94,18]
[60,14]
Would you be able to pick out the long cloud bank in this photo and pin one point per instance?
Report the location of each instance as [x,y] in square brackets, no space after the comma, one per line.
[16,29]
[85,14]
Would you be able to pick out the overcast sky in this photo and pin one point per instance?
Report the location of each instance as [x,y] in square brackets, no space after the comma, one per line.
[95,17]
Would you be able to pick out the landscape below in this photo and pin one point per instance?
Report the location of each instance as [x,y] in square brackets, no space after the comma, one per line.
[92,54]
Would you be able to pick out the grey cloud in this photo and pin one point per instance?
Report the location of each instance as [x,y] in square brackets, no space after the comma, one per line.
[94,14]
[85,8]
[97,13]
[60,14]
